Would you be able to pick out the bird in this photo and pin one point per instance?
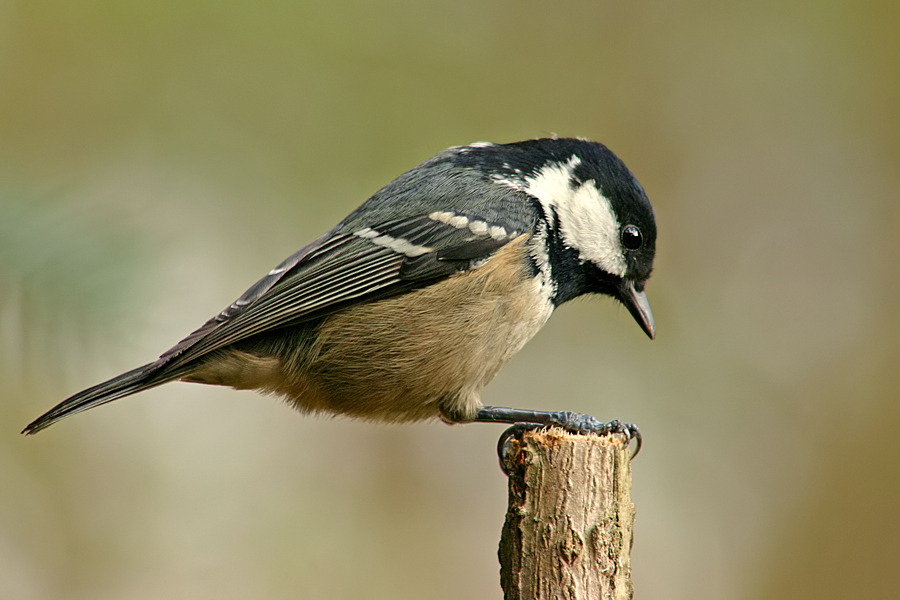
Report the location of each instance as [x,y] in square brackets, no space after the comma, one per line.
[413,303]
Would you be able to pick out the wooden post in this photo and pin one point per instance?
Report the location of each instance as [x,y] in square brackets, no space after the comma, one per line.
[568,529]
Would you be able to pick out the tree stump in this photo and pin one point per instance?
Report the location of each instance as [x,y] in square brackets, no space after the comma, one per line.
[568,529]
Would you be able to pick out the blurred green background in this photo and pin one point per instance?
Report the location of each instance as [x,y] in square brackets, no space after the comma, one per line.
[156,158]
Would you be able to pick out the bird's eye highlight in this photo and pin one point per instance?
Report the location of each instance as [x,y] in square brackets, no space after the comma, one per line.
[632,238]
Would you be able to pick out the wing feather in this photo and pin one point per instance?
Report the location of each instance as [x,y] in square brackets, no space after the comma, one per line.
[340,268]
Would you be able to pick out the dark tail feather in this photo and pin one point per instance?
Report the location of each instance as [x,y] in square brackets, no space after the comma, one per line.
[137,380]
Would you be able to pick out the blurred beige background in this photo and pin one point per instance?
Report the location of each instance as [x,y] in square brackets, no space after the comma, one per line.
[156,158]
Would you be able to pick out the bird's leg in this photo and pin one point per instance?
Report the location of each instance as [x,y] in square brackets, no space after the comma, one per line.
[524,420]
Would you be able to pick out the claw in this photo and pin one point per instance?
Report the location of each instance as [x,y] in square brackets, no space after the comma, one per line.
[516,430]
[634,434]
[574,422]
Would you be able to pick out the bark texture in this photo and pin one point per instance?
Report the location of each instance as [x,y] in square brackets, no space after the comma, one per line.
[569,524]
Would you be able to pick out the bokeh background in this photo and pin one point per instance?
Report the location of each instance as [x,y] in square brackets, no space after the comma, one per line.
[156,158]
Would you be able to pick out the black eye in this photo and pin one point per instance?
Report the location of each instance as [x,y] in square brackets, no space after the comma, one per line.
[632,238]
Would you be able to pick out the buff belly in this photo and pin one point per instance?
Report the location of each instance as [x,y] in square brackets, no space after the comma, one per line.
[423,354]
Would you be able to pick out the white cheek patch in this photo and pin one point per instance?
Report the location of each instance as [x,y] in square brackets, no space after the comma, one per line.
[587,222]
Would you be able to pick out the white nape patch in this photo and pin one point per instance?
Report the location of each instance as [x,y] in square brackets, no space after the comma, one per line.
[398,245]
[587,222]
[478,227]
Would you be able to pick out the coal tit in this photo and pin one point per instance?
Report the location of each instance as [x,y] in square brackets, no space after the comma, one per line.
[412,304]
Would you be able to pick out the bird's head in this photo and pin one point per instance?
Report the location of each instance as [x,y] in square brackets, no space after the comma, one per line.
[600,230]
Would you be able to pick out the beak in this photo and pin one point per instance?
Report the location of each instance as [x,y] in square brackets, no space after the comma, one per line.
[638,306]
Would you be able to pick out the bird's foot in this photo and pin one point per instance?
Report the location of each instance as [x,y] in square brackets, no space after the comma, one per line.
[528,420]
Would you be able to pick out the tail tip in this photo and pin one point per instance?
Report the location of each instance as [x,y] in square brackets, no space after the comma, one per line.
[33,427]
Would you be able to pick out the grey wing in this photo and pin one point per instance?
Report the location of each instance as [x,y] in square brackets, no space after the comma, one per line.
[342,268]
[349,265]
